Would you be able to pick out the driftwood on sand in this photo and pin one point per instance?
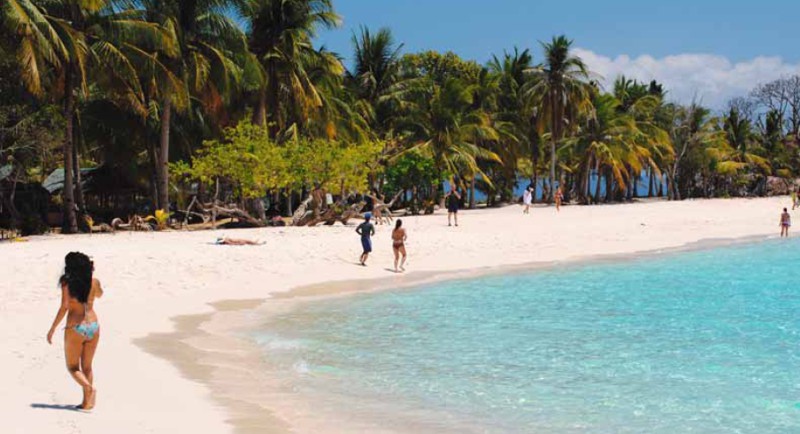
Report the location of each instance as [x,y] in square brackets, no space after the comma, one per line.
[382,210]
[210,212]
[311,213]
[134,223]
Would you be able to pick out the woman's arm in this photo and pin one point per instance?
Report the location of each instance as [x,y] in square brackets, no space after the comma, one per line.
[62,310]
[98,289]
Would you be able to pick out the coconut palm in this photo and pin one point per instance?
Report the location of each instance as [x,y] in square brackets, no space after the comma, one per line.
[60,43]
[736,153]
[514,107]
[442,122]
[280,36]
[212,56]
[375,76]
[561,92]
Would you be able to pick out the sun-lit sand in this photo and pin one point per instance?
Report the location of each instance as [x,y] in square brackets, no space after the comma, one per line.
[150,278]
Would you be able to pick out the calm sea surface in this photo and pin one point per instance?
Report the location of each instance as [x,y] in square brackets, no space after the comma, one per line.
[697,342]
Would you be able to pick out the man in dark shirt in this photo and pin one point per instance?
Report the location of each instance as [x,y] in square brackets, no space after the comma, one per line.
[366,230]
[452,201]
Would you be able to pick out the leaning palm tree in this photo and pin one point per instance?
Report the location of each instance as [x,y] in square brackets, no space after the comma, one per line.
[280,36]
[60,43]
[561,91]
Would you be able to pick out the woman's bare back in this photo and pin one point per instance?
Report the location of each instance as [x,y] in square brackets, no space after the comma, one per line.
[79,312]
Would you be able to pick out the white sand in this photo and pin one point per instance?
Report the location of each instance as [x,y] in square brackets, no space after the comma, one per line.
[152,277]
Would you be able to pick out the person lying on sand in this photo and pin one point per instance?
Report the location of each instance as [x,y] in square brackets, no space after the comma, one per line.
[225,241]
[82,333]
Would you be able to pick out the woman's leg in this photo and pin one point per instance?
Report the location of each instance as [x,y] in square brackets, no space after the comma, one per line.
[73,352]
[89,348]
[403,261]
[396,257]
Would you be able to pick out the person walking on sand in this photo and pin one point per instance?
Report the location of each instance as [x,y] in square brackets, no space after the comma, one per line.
[786,223]
[366,230]
[399,238]
[452,201]
[82,333]
[527,198]
[559,196]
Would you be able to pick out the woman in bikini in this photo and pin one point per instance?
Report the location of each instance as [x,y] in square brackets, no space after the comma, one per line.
[78,292]
[786,223]
[399,246]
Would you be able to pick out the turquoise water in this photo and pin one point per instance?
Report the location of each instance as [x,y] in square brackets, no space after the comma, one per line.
[697,342]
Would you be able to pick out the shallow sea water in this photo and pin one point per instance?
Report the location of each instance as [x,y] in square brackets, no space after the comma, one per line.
[694,342]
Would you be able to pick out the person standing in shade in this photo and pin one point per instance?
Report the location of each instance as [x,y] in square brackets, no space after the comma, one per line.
[452,201]
[366,230]
[786,223]
[559,196]
[526,201]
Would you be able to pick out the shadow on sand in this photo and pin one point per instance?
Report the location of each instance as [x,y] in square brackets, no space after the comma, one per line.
[55,407]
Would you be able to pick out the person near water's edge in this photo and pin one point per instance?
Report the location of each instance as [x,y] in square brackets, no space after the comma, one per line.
[786,223]
[452,201]
[366,230]
[399,238]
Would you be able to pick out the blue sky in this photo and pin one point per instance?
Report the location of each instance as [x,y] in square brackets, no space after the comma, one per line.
[741,41]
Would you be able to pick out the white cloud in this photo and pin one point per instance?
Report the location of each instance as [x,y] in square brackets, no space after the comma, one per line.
[710,79]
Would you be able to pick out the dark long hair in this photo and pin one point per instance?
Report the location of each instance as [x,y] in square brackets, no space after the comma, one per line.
[78,269]
[398,225]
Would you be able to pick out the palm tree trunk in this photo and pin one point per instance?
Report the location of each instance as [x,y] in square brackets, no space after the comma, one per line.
[70,224]
[650,182]
[587,173]
[153,155]
[81,204]
[597,185]
[272,107]
[288,203]
[260,113]
[472,193]
[163,156]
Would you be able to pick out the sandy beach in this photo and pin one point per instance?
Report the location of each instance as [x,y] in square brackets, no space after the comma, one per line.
[152,278]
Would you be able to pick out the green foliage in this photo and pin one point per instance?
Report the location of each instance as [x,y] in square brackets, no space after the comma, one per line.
[252,163]
[410,170]
[257,106]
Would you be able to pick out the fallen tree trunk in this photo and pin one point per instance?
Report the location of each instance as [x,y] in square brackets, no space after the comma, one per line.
[339,212]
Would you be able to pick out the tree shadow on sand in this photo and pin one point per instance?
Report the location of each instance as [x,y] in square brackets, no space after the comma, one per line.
[55,407]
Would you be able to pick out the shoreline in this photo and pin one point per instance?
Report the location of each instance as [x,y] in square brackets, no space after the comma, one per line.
[151,278]
[233,319]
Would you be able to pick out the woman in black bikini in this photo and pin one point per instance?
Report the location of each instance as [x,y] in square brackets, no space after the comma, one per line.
[82,334]
[399,246]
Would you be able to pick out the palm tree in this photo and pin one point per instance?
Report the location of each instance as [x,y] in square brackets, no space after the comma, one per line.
[280,36]
[514,109]
[736,153]
[375,76]
[442,122]
[212,56]
[59,41]
[692,130]
[561,91]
